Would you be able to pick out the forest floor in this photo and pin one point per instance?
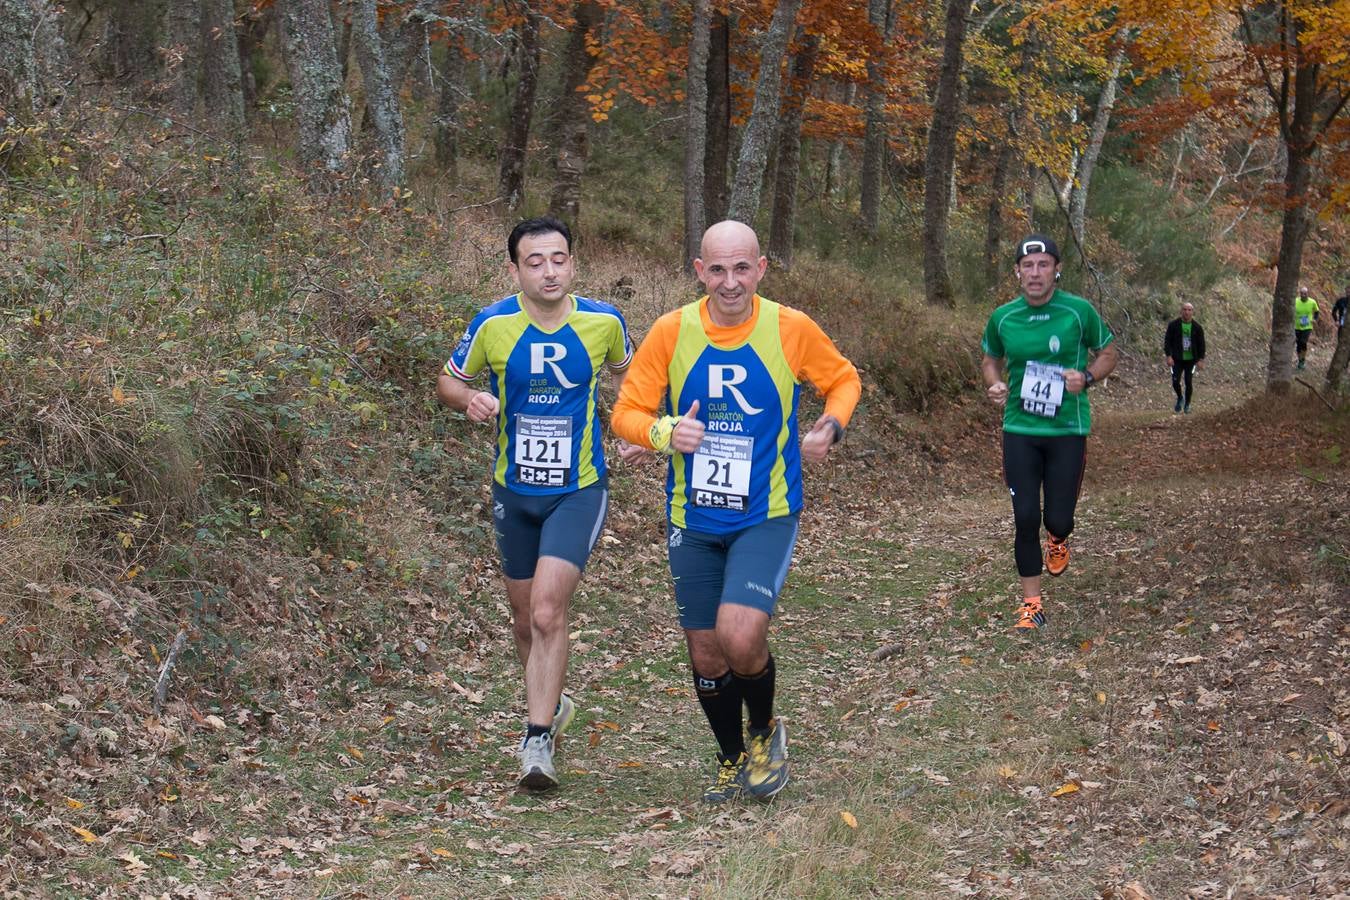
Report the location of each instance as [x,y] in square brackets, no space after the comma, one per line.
[1178,730]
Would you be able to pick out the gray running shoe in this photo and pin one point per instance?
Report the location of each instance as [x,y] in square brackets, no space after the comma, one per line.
[536,764]
[730,782]
[562,717]
[766,772]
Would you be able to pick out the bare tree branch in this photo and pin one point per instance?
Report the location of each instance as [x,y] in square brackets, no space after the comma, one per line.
[162,683]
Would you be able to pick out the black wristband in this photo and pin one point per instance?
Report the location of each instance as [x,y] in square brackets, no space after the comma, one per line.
[838,431]
[1088,378]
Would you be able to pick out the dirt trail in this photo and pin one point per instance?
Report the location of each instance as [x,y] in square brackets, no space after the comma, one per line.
[1189,702]
[1180,727]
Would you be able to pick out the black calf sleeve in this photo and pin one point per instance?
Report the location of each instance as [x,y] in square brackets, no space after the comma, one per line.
[720,698]
[758,691]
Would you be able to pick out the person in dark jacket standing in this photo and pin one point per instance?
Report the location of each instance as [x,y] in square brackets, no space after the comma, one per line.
[1184,346]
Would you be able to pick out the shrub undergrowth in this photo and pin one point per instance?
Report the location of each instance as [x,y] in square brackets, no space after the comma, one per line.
[217,388]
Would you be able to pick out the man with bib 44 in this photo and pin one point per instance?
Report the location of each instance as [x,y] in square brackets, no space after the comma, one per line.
[1043,338]
[715,386]
[544,350]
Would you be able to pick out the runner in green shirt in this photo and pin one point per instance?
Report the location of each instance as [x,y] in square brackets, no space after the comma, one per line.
[1044,339]
[1305,317]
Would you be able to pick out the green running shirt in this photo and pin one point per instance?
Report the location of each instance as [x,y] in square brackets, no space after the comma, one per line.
[1187,350]
[1303,313]
[1058,333]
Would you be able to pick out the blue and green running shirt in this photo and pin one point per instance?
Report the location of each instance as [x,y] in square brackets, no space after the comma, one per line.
[1044,341]
[748,467]
[548,385]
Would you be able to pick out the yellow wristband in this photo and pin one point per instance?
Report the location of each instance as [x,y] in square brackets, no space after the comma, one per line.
[661,432]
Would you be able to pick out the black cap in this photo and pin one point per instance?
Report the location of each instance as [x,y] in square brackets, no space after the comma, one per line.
[1036,243]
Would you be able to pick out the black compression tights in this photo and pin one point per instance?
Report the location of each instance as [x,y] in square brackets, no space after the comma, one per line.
[1178,369]
[1030,464]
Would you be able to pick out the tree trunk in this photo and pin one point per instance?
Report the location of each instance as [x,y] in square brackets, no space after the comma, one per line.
[381,93]
[835,159]
[406,43]
[1101,118]
[222,79]
[1339,359]
[511,177]
[941,158]
[342,33]
[993,233]
[1182,139]
[874,116]
[445,125]
[569,163]
[182,57]
[763,114]
[789,154]
[132,36]
[32,56]
[696,130]
[323,110]
[1293,232]
[717,150]
[256,23]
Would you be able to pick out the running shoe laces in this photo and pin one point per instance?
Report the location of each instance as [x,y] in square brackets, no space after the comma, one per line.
[1030,615]
[1056,556]
[730,781]
[767,771]
[537,772]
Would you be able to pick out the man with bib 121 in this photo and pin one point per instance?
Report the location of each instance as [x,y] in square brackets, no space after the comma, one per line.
[544,349]
[726,372]
[1044,338]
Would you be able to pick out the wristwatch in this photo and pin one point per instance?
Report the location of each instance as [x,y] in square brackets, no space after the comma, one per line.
[1088,378]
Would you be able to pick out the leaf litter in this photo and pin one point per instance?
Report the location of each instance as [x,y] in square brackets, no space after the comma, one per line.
[1181,730]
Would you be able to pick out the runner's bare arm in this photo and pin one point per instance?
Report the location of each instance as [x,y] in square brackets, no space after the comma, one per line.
[478,405]
[1100,367]
[992,369]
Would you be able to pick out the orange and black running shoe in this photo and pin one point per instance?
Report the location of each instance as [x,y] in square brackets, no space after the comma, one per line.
[1030,615]
[1056,556]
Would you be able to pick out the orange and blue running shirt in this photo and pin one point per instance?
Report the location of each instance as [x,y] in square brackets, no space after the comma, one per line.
[747,380]
[547,382]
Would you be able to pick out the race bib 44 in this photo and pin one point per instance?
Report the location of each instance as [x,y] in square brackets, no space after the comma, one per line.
[1042,389]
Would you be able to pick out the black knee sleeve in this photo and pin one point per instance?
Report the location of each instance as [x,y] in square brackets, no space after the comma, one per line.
[711,687]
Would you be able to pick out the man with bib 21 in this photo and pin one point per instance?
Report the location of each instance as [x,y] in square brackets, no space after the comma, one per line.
[544,349]
[727,371]
[1044,338]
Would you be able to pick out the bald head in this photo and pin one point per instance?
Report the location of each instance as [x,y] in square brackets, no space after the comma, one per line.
[730,267]
[729,233]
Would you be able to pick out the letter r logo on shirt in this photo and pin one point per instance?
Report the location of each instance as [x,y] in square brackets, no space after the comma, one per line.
[549,355]
[727,377]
